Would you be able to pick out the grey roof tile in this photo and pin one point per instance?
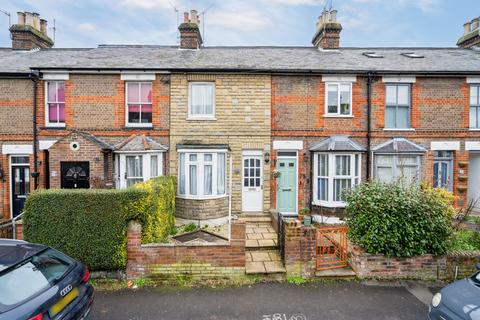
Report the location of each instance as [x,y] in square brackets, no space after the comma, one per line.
[337,143]
[139,143]
[399,145]
[281,59]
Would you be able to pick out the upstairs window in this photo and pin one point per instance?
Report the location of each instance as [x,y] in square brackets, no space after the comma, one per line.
[55,104]
[139,104]
[397,109]
[339,99]
[475,106]
[201,100]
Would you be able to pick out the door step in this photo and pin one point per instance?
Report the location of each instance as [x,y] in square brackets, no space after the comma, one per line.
[343,273]
[255,218]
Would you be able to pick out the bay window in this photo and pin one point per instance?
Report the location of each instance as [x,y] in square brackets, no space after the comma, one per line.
[139,104]
[338,99]
[333,174]
[201,100]
[133,168]
[392,167]
[55,104]
[201,174]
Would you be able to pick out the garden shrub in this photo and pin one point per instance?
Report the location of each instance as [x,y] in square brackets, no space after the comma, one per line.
[157,209]
[398,220]
[91,224]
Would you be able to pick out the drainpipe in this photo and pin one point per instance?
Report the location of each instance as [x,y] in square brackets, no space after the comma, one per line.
[34,77]
[369,122]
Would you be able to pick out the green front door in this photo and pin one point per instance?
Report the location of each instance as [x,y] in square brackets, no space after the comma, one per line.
[287,185]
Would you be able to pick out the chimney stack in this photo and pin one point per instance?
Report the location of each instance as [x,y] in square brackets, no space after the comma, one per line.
[190,37]
[327,34]
[30,32]
[471,34]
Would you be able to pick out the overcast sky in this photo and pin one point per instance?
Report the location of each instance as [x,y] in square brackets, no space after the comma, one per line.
[87,23]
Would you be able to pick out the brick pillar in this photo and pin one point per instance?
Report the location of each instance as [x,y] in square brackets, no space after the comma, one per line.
[300,259]
[19,230]
[134,241]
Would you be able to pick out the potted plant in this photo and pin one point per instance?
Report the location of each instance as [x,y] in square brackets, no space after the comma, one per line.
[276,174]
[304,212]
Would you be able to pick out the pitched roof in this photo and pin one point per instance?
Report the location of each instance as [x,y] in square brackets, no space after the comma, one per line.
[139,143]
[253,59]
[399,145]
[102,144]
[337,143]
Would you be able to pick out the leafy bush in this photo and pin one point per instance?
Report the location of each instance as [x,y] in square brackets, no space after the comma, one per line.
[158,209]
[465,240]
[90,225]
[400,221]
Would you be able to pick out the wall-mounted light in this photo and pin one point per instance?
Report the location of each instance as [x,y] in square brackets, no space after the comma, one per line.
[266,157]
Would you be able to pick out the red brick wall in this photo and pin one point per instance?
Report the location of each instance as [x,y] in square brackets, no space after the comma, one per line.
[201,261]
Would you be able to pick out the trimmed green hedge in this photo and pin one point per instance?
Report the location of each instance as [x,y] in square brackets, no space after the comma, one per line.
[90,225]
[400,221]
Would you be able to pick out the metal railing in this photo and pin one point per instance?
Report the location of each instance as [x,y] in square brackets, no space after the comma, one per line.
[5,225]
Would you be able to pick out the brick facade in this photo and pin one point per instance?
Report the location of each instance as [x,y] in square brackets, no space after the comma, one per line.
[298,113]
[190,261]
[242,121]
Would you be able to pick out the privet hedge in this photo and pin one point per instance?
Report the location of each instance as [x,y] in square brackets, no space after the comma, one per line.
[90,225]
[395,220]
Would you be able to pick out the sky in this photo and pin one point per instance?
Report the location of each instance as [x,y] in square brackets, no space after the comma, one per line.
[366,23]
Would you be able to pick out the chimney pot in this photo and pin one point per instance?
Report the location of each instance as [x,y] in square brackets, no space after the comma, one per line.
[36,20]
[185,17]
[194,17]
[43,26]
[21,18]
[333,16]
[466,28]
[474,24]
[28,19]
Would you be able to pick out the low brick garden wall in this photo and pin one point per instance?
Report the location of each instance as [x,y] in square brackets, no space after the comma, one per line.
[185,261]
[300,260]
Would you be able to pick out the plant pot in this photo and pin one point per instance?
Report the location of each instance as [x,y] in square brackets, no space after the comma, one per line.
[463,164]
[300,217]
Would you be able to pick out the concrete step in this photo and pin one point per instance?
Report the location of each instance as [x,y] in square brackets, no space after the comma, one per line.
[343,273]
[261,244]
[264,262]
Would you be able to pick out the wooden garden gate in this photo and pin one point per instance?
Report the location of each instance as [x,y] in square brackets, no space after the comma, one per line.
[331,247]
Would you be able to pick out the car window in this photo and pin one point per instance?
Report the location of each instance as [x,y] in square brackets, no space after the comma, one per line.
[31,277]
[476,277]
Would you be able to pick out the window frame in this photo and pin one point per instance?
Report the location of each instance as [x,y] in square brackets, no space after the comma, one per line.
[475,106]
[397,105]
[137,124]
[338,113]
[354,176]
[201,163]
[190,115]
[395,165]
[48,123]
[121,166]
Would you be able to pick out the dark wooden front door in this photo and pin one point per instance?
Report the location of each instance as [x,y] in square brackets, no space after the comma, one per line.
[75,175]
[20,188]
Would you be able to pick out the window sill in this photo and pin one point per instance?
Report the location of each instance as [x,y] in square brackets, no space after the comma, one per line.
[201,119]
[338,116]
[202,197]
[55,126]
[329,204]
[138,126]
[399,129]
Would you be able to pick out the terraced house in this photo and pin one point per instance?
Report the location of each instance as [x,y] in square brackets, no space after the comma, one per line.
[245,129]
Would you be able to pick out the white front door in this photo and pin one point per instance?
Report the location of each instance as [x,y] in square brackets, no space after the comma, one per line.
[252,184]
[473,180]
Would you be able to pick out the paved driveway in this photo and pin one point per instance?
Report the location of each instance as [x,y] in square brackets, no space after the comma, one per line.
[272,301]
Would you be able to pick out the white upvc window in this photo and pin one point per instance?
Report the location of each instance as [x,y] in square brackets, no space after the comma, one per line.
[137,167]
[475,106]
[333,174]
[138,104]
[201,100]
[202,174]
[54,104]
[393,167]
[338,99]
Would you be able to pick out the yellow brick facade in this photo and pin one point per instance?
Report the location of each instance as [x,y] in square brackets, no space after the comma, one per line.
[242,120]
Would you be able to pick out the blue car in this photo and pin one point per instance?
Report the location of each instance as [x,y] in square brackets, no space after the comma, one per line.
[40,283]
[459,300]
